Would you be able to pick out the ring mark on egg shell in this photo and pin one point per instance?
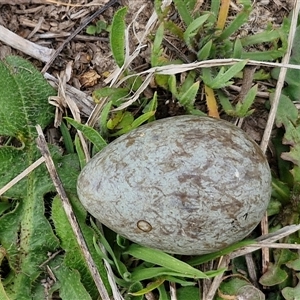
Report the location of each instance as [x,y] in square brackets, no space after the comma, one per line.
[144,226]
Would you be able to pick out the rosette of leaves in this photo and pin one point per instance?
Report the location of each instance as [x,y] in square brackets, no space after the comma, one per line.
[27,236]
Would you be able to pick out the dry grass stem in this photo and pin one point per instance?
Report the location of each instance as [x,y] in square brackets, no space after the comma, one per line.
[272,115]
[268,239]
[42,144]
[223,263]
[34,50]
[22,175]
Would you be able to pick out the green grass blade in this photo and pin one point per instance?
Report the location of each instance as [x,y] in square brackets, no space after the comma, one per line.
[163,259]
[235,25]
[237,48]
[104,116]
[150,287]
[205,51]
[215,6]
[263,56]
[90,133]
[80,152]
[259,38]
[121,268]
[211,256]
[67,138]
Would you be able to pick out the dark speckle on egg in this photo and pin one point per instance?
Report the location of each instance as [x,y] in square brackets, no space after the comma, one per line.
[187,185]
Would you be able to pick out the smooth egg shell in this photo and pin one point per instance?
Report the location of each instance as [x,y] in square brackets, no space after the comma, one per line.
[186,185]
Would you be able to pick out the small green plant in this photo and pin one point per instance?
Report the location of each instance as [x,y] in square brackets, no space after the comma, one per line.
[98,28]
[208,36]
[27,236]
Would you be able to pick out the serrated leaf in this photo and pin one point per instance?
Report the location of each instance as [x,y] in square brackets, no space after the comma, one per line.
[117,36]
[27,236]
[188,293]
[188,98]
[25,232]
[74,258]
[23,99]
[3,294]
[70,285]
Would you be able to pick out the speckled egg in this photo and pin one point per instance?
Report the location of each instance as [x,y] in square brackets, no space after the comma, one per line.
[186,184]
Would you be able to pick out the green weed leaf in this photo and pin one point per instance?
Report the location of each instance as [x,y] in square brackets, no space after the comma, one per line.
[286,112]
[188,293]
[193,29]
[74,258]
[23,99]
[188,98]
[132,124]
[292,75]
[223,77]
[121,268]
[70,284]
[292,293]
[205,51]
[243,109]
[165,260]
[238,21]
[150,287]
[114,94]
[90,133]
[25,233]
[262,37]
[274,275]
[157,51]
[117,36]
[184,11]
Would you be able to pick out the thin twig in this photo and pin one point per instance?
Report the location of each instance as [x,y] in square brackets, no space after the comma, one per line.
[223,263]
[263,240]
[42,144]
[22,175]
[76,31]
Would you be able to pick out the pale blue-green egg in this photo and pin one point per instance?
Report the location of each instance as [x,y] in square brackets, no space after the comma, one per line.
[186,185]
